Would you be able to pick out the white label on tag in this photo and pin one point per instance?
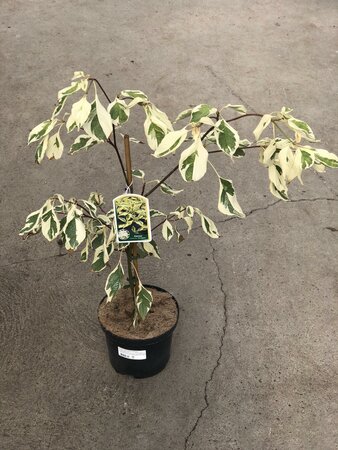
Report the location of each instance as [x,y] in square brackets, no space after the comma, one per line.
[132,354]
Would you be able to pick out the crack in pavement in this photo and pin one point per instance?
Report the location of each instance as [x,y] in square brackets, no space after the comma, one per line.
[263,208]
[225,320]
[34,260]
[220,350]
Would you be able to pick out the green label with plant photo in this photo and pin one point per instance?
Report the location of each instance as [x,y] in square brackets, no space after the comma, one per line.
[132,218]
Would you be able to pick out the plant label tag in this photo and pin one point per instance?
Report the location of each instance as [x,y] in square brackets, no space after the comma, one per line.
[132,354]
[132,218]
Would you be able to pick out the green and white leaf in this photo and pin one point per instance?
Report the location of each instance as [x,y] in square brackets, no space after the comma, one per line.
[134,93]
[201,111]
[79,74]
[156,125]
[82,142]
[151,248]
[307,156]
[114,282]
[55,147]
[80,112]
[208,225]
[50,225]
[193,162]
[167,230]
[190,210]
[41,130]
[189,221]
[138,173]
[184,114]
[144,300]
[59,106]
[239,108]
[227,200]
[32,224]
[263,123]
[96,198]
[291,166]
[100,259]
[91,207]
[169,190]
[227,138]
[119,112]
[156,213]
[326,158]
[278,186]
[74,230]
[104,118]
[41,150]
[170,143]
[92,127]
[302,128]
[69,90]
[85,252]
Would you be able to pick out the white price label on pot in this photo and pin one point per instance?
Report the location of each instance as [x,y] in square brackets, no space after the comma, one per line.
[132,354]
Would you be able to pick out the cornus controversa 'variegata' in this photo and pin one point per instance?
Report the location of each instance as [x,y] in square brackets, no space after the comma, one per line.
[286,145]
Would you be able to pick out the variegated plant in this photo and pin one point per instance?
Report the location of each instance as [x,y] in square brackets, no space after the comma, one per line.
[286,149]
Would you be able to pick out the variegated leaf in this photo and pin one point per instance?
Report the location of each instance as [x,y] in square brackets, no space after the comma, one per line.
[166,189]
[184,114]
[41,150]
[144,300]
[50,225]
[32,224]
[119,112]
[227,200]
[41,130]
[74,231]
[55,147]
[82,142]
[104,118]
[80,112]
[200,111]
[170,143]
[193,161]
[167,230]
[227,138]
[151,248]
[278,186]
[326,158]
[114,282]
[263,123]
[301,127]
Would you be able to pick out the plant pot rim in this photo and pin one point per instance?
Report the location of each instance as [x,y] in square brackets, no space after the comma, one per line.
[145,341]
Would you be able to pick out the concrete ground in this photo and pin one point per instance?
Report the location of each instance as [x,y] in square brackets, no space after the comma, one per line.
[254,360]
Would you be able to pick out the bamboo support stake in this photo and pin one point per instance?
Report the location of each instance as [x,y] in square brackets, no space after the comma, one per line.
[127,155]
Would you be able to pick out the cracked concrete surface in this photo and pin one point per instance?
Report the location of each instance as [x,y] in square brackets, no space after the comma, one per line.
[254,355]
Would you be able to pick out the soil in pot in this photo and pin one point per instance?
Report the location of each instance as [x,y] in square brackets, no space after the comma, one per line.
[142,351]
[117,315]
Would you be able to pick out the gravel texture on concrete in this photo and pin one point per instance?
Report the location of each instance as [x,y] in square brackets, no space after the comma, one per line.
[254,359]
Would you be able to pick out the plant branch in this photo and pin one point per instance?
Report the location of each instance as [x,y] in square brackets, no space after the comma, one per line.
[100,86]
[162,222]
[161,181]
[114,142]
[244,115]
[119,158]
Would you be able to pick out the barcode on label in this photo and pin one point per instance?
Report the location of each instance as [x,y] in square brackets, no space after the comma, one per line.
[132,354]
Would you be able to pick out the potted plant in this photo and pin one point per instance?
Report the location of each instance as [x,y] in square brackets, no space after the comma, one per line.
[139,319]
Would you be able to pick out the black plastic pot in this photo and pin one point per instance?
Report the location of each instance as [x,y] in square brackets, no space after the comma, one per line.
[140,358]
